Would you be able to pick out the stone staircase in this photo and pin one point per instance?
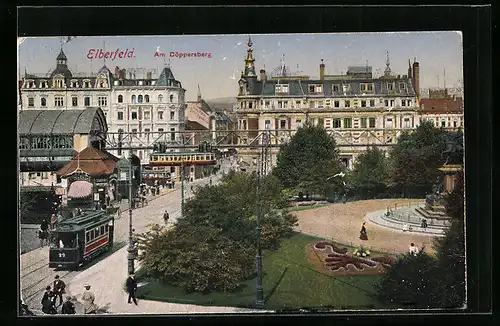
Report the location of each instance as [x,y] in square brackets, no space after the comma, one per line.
[437,212]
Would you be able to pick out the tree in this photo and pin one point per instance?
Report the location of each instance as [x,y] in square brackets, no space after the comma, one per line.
[370,176]
[450,251]
[410,282]
[416,158]
[308,159]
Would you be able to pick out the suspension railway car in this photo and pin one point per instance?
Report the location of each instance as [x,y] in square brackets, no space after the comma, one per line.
[156,174]
[178,159]
[79,239]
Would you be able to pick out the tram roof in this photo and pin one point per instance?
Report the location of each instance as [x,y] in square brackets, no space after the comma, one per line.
[86,220]
[181,153]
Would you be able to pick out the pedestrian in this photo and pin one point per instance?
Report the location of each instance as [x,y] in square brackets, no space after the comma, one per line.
[48,306]
[413,249]
[53,221]
[44,226]
[88,298]
[166,217]
[42,235]
[131,288]
[68,307]
[424,224]
[108,200]
[363,235]
[59,289]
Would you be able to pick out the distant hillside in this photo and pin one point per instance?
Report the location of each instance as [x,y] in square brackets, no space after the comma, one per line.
[222,103]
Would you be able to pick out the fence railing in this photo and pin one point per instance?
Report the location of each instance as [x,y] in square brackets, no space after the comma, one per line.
[408,214]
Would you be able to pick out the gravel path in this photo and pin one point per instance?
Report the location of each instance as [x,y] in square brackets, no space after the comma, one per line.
[342,223]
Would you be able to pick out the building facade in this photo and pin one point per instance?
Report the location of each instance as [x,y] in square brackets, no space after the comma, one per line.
[149,109]
[357,108]
[442,109]
[63,90]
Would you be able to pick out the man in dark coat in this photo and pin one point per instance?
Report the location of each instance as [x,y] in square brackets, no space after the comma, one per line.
[59,289]
[44,226]
[166,217]
[131,288]
[48,302]
[68,307]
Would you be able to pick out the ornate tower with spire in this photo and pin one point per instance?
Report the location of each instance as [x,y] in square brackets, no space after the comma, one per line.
[409,70]
[387,71]
[249,70]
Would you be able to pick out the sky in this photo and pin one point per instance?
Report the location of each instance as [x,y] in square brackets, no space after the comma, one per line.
[439,54]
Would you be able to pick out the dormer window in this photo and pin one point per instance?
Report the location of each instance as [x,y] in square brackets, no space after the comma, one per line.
[43,84]
[30,84]
[281,88]
[59,83]
[336,88]
[402,86]
[315,89]
[74,84]
[390,86]
[366,87]
[86,83]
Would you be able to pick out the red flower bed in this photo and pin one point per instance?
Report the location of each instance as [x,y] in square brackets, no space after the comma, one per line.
[322,245]
[385,260]
[342,261]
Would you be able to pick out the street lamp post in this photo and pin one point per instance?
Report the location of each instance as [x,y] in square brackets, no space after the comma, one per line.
[130,249]
[259,291]
[182,189]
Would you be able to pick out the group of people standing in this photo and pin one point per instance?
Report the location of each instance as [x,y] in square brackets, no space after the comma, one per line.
[45,229]
[53,293]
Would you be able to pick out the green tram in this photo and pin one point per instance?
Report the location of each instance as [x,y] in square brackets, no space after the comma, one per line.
[79,239]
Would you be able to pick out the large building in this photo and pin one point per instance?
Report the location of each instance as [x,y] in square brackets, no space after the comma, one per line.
[442,109]
[359,109]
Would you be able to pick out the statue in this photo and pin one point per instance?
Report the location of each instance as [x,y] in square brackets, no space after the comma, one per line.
[454,151]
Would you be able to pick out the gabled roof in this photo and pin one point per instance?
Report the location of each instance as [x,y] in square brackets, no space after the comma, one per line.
[91,161]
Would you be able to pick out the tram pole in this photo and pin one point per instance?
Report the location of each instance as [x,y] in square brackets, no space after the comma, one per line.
[259,291]
[182,189]
[130,249]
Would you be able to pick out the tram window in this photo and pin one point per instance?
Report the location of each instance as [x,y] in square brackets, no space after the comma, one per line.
[97,234]
[87,237]
[106,228]
[102,230]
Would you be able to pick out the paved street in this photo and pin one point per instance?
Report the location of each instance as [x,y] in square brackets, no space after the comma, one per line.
[107,275]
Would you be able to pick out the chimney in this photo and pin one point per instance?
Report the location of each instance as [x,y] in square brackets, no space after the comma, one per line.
[262,75]
[123,74]
[322,70]
[148,75]
[409,70]
[416,78]
[117,72]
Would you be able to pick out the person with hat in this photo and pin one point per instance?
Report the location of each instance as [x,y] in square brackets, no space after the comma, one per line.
[88,298]
[48,302]
[59,289]
[68,307]
[131,288]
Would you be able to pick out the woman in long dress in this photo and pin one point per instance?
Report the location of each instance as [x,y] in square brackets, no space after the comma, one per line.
[363,235]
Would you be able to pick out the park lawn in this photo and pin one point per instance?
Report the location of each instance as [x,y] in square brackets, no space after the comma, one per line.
[289,281]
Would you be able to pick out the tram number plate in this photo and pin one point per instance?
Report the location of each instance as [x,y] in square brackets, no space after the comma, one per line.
[62,255]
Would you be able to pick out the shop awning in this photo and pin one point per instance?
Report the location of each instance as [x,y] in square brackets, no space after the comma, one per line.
[80,189]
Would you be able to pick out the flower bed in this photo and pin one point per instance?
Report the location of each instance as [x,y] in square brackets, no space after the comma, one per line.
[361,252]
[322,246]
[335,263]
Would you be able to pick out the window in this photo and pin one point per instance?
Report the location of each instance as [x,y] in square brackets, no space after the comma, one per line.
[160,98]
[120,98]
[406,123]
[315,88]
[87,101]
[372,103]
[146,132]
[134,131]
[297,103]
[408,102]
[443,123]
[363,104]
[347,104]
[172,134]
[43,101]
[74,84]
[87,84]
[282,124]
[120,115]
[139,99]
[455,124]
[299,123]
[146,98]
[403,102]
[336,104]
[388,123]
[160,115]
[267,124]
[336,88]
[102,101]
[328,123]
[147,115]
[282,104]
[366,87]
[386,102]
[282,88]
[172,115]
[160,130]
[336,123]
[402,86]
[267,104]
[362,122]
[390,86]
[371,122]
[132,99]
[74,101]
[58,101]
[44,84]
[347,123]
[134,115]
[171,98]
[31,101]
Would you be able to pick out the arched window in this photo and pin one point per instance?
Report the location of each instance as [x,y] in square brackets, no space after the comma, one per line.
[120,98]
[146,98]
[160,98]
[139,99]
[171,98]
[43,101]
[133,98]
